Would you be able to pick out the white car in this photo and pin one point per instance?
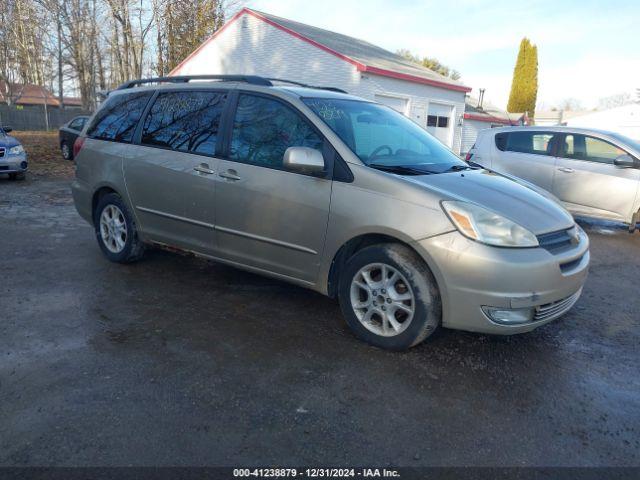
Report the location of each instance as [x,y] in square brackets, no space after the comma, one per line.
[593,173]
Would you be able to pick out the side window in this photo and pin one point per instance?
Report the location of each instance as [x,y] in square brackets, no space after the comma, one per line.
[118,117]
[582,147]
[263,129]
[538,143]
[185,121]
[82,122]
[77,124]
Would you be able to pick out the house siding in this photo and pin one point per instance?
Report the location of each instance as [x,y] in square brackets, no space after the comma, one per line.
[470,129]
[251,46]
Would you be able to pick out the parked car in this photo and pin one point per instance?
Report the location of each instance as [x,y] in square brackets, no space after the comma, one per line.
[593,173]
[333,193]
[68,133]
[13,158]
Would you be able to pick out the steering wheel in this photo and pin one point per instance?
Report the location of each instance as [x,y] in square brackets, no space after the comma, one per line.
[376,152]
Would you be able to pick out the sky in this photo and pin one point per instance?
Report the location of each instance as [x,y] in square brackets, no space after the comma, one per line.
[586,49]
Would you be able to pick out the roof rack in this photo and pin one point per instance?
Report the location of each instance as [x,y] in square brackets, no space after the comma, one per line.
[251,79]
[331,89]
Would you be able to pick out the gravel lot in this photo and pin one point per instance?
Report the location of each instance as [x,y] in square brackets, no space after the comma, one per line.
[181,361]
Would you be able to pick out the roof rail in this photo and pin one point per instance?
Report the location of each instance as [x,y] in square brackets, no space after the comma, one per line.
[251,79]
[331,89]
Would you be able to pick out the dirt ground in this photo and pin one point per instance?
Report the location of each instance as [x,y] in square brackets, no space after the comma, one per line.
[44,155]
[179,361]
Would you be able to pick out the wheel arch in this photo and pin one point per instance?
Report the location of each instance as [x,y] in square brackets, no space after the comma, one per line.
[357,243]
[100,192]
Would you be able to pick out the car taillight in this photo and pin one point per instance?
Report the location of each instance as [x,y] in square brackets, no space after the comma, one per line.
[468,156]
[77,145]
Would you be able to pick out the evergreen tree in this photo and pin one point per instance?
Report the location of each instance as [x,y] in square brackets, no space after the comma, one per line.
[524,87]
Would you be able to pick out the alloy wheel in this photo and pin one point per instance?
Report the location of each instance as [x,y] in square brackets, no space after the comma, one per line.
[113,228]
[382,299]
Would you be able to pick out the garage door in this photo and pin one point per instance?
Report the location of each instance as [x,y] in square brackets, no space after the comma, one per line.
[440,122]
[398,104]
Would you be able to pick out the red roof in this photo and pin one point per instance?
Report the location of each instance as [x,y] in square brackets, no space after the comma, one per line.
[30,94]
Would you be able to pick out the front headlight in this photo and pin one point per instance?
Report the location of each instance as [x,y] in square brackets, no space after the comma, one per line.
[17,150]
[485,226]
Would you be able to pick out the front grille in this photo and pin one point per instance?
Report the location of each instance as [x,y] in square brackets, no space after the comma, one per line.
[553,310]
[4,167]
[2,150]
[555,242]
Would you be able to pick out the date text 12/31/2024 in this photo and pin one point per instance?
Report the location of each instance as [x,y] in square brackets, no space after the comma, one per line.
[316,473]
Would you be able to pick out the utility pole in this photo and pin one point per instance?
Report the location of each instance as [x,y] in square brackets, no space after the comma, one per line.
[60,80]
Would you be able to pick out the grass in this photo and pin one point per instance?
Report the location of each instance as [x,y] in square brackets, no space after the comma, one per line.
[43,154]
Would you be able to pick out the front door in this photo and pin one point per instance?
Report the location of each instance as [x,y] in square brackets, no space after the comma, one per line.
[589,183]
[171,175]
[267,217]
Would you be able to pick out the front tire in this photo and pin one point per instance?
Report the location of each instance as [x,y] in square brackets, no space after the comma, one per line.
[116,230]
[389,297]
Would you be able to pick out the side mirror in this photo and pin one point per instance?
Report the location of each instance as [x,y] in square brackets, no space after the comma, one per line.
[303,160]
[626,161]
[7,129]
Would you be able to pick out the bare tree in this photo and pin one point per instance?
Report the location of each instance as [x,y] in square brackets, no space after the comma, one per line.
[614,101]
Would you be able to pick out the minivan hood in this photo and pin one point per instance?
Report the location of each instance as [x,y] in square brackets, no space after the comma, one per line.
[501,195]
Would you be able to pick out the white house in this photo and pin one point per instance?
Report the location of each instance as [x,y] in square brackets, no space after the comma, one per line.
[624,120]
[480,115]
[256,43]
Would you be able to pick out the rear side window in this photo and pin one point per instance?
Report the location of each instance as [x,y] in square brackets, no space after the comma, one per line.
[263,129]
[77,123]
[185,121]
[118,117]
[538,143]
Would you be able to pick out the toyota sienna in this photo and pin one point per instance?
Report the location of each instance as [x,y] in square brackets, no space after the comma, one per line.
[330,192]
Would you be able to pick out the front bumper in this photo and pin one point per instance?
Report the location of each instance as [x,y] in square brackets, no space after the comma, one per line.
[472,275]
[13,163]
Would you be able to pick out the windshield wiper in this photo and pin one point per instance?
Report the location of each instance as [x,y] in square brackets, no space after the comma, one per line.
[401,169]
[458,168]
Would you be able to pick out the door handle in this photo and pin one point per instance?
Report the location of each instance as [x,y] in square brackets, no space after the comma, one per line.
[230,175]
[204,168]
[566,169]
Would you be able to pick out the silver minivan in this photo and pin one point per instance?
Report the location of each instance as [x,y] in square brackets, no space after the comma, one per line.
[330,192]
[594,173]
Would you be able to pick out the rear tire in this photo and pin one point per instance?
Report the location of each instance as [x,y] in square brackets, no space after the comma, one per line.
[389,297]
[67,153]
[116,230]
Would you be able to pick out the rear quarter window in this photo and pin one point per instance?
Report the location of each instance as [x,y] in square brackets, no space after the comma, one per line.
[117,119]
[538,143]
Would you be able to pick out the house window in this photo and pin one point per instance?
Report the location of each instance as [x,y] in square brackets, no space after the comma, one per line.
[437,121]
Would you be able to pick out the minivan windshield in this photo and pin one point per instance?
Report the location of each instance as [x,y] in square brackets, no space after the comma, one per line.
[383,138]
